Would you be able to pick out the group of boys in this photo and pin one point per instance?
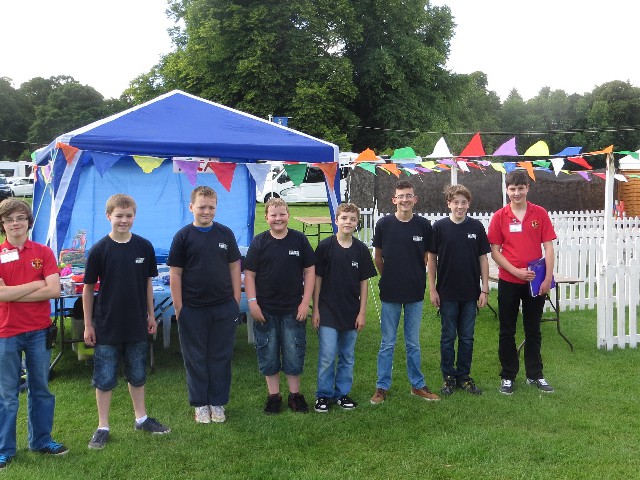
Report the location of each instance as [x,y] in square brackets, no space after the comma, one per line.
[282,275]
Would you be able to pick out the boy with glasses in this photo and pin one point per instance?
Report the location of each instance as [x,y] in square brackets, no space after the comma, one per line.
[400,246]
[29,279]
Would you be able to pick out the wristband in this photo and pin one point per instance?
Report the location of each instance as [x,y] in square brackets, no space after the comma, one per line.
[251,299]
[485,292]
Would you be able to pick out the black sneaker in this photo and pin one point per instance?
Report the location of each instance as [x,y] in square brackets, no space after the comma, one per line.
[506,386]
[297,403]
[5,460]
[322,405]
[468,385]
[449,385]
[346,402]
[53,448]
[274,404]
[99,439]
[152,425]
[541,384]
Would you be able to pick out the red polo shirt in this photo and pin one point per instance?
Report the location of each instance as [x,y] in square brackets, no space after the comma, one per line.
[520,247]
[35,262]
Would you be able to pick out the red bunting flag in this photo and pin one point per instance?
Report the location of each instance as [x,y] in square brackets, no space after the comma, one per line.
[474,148]
[224,172]
[580,161]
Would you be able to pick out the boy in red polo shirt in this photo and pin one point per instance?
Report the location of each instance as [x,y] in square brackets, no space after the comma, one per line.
[516,233]
[29,279]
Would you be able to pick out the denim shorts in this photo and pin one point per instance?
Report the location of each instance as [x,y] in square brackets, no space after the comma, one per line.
[107,357]
[281,343]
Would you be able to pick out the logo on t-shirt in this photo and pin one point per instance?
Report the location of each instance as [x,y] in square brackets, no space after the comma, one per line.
[140,260]
[471,235]
[535,223]
[294,252]
[354,264]
[223,246]
[36,263]
[416,238]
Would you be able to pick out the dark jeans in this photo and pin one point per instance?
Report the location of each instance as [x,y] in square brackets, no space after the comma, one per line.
[207,336]
[458,320]
[510,295]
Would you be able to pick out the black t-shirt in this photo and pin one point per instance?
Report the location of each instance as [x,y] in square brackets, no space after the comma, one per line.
[403,245]
[342,270]
[279,267]
[459,247]
[124,269]
[204,257]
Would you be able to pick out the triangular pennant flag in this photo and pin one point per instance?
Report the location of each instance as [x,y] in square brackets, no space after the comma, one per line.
[569,152]
[329,170]
[424,170]
[369,167]
[620,177]
[448,161]
[410,171]
[296,172]
[601,175]
[580,161]
[147,164]
[528,166]
[429,164]
[463,166]
[190,169]
[609,149]
[634,155]
[391,168]
[557,163]
[443,166]
[46,173]
[406,165]
[474,148]
[68,151]
[224,172]
[541,163]
[367,155]
[498,167]
[441,150]
[538,149]
[259,172]
[584,175]
[476,165]
[508,148]
[104,161]
[509,166]
[403,153]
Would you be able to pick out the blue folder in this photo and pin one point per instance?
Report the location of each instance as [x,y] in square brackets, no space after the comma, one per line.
[539,267]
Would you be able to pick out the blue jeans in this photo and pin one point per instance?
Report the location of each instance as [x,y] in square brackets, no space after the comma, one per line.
[335,380]
[41,401]
[389,321]
[281,343]
[107,357]
[458,320]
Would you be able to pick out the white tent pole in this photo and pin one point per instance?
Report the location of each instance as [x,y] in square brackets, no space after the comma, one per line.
[606,268]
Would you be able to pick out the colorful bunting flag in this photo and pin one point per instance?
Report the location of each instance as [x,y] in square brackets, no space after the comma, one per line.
[441,150]
[147,164]
[474,148]
[369,167]
[538,149]
[68,151]
[296,172]
[508,148]
[189,168]
[403,153]
[528,166]
[367,155]
[580,161]
[224,172]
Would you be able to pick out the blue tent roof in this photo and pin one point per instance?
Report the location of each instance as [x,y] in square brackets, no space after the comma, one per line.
[180,124]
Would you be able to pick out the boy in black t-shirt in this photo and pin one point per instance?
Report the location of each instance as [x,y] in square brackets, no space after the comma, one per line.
[343,265]
[279,278]
[458,254]
[123,313]
[205,281]
[400,246]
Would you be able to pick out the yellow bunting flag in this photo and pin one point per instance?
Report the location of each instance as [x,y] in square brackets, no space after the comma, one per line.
[538,149]
[147,164]
[498,167]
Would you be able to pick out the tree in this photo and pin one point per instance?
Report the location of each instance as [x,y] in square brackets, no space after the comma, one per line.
[16,115]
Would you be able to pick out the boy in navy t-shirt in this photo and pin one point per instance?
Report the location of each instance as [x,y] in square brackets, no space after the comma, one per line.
[458,254]
[279,278]
[343,265]
[400,253]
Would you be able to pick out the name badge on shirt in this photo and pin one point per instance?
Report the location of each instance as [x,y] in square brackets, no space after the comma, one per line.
[9,256]
[515,228]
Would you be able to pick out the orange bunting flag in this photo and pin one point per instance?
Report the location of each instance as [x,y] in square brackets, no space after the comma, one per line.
[528,166]
[367,155]
[224,172]
[329,170]
[609,149]
[68,151]
[580,161]
[391,168]
[474,148]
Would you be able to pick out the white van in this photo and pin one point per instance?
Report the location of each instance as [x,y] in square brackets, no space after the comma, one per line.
[312,189]
[16,169]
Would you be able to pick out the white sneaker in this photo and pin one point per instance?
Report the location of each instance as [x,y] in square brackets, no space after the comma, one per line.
[202,415]
[217,414]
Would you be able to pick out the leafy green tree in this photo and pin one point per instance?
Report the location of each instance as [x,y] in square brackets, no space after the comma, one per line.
[16,114]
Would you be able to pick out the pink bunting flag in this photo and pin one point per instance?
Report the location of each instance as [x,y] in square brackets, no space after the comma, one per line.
[190,169]
[224,172]
[584,175]
[474,148]
[508,149]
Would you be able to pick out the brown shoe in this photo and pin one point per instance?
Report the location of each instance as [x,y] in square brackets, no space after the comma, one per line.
[425,393]
[380,396]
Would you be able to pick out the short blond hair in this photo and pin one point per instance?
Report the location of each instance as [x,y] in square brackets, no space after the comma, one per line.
[450,191]
[348,208]
[120,200]
[203,191]
[275,202]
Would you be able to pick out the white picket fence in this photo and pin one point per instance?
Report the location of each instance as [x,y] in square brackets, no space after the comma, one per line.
[578,250]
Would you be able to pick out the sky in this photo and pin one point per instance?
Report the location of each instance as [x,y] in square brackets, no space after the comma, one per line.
[571,45]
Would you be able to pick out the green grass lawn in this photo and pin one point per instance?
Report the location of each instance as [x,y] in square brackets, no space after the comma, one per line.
[587,429]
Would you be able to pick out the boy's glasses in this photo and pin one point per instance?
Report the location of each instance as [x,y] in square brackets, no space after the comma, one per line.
[20,219]
[408,196]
